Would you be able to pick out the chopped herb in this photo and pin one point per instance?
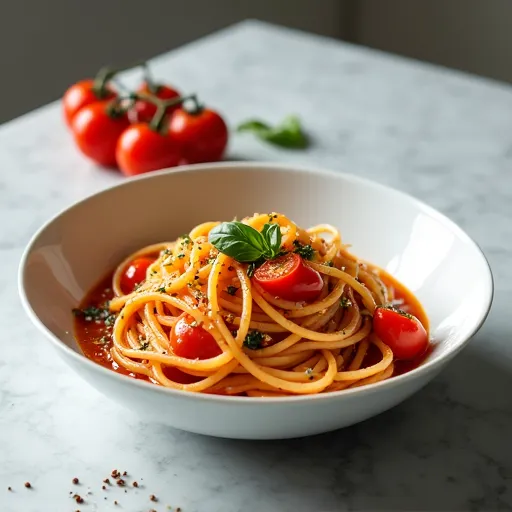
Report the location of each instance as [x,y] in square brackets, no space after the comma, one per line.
[304,251]
[110,319]
[345,302]
[144,346]
[309,373]
[180,255]
[329,263]
[251,269]
[161,289]
[185,239]
[166,252]
[401,312]
[254,340]
[231,290]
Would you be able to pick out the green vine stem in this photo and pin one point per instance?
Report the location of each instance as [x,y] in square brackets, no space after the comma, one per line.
[107,73]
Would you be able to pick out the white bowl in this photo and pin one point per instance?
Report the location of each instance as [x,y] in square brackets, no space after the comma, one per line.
[422,248]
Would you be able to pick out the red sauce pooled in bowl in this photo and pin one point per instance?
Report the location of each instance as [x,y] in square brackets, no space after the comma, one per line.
[94,335]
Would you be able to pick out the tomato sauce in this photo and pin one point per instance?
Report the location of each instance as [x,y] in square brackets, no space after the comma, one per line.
[94,335]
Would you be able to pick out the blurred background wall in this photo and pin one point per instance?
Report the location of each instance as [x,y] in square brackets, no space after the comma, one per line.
[47,45]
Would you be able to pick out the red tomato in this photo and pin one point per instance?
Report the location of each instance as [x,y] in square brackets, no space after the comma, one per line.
[192,341]
[143,111]
[289,278]
[80,95]
[135,273]
[96,132]
[403,333]
[176,375]
[141,149]
[203,136]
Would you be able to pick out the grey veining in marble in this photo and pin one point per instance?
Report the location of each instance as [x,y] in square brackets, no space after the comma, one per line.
[442,136]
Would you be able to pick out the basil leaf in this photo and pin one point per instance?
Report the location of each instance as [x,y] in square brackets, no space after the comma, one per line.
[288,133]
[272,235]
[239,241]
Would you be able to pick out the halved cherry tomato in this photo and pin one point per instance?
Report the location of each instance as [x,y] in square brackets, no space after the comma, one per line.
[176,375]
[192,341]
[135,273]
[143,111]
[80,95]
[289,278]
[141,149]
[402,332]
[96,130]
[202,136]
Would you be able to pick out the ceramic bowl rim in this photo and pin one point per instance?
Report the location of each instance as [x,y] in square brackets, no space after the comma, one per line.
[280,167]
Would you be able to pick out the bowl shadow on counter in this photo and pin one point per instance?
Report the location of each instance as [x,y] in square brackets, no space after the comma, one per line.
[444,449]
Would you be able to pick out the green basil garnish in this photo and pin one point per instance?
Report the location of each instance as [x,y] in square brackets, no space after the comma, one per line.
[244,243]
[287,134]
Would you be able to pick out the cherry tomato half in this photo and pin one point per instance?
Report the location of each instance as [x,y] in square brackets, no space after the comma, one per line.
[203,136]
[143,111]
[177,375]
[192,341]
[96,132]
[403,333]
[289,278]
[80,95]
[135,273]
[141,149]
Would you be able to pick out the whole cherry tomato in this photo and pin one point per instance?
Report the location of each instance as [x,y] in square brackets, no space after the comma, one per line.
[202,135]
[135,273]
[82,94]
[192,341]
[141,149]
[402,332]
[143,111]
[96,129]
[289,278]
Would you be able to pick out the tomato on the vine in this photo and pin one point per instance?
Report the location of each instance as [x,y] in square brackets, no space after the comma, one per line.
[202,134]
[80,95]
[192,341]
[289,278]
[135,273]
[96,129]
[141,149]
[143,111]
[402,332]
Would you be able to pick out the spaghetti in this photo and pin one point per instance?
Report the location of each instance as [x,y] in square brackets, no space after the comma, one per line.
[263,344]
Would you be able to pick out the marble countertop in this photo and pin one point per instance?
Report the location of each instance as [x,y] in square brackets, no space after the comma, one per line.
[442,136]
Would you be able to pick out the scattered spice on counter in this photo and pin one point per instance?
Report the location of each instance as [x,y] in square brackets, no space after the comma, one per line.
[153,497]
[104,487]
[124,473]
[106,481]
[120,482]
[78,498]
[135,484]
[28,485]
[115,502]
[75,480]
[115,473]
[9,488]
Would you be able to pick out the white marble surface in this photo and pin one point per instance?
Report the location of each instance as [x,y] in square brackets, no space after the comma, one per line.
[442,136]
